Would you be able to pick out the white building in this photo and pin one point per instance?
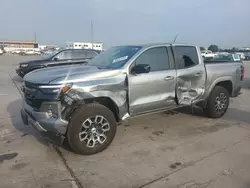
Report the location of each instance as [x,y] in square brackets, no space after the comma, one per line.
[83,45]
[42,47]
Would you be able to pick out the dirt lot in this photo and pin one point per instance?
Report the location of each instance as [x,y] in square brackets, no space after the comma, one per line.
[172,149]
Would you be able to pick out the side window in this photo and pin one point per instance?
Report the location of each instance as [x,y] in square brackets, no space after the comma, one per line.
[77,54]
[64,55]
[91,54]
[156,58]
[185,56]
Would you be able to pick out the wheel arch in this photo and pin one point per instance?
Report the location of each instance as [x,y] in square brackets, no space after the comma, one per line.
[228,85]
[225,82]
[107,102]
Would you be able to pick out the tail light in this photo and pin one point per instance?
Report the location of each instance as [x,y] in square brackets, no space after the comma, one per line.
[242,72]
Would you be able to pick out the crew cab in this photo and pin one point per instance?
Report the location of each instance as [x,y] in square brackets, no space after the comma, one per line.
[63,57]
[86,102]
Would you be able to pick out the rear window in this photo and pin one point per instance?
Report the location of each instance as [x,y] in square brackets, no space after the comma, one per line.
[185,56]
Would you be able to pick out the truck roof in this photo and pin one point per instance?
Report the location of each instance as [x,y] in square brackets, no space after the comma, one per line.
[157,44]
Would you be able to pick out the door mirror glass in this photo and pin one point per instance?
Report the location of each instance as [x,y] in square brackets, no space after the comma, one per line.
[141,68]
[56,58]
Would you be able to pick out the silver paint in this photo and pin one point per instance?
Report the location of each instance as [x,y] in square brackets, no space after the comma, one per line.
[138,94]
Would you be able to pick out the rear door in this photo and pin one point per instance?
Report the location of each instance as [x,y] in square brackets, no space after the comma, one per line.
[191,74]
[154,90]
[65,55]
[63,58]
[91,54]
[82,55]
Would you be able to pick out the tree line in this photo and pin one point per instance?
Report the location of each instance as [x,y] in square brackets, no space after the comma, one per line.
[215,48]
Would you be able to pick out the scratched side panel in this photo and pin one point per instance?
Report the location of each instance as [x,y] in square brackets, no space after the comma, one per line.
[190,87]
[114,87]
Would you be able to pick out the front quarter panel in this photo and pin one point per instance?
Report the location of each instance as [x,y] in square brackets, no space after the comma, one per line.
[114,88]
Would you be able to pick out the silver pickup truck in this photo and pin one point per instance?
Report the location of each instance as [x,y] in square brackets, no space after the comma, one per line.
[86,102]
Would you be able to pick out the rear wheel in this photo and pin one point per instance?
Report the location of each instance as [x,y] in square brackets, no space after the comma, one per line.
[218,102]
[92,129]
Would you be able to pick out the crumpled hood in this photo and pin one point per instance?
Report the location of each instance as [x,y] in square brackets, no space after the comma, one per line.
[68,74]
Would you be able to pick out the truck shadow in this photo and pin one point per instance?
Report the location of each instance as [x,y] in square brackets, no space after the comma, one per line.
[191,111]
[232,114]
[14,111]
[237,115]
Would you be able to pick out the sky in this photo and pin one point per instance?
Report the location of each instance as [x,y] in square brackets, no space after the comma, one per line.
[200,22]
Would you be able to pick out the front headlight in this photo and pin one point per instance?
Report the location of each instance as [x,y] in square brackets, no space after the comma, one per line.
[55,89]
[24,65]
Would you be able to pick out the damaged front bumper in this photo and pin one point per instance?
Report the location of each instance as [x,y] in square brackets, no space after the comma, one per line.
[47,119]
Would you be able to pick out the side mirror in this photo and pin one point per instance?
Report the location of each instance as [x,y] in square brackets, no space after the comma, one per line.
[55,59]
[141,68]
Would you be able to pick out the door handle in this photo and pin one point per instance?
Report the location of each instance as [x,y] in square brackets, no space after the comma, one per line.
[168,78]
[198,74]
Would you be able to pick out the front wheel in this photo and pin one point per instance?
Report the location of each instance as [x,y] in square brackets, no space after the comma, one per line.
[218,102]
[91,129]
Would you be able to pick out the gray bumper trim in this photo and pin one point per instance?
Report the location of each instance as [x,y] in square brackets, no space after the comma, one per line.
[42,121]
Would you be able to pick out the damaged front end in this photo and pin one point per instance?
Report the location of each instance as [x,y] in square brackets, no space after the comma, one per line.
[43,109]
[110,92]
[49,107]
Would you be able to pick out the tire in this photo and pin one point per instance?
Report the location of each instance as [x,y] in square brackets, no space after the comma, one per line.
[215,109]
[87,120]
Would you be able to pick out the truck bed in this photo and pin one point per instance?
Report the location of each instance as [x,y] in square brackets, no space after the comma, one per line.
[219,61]
[217,70]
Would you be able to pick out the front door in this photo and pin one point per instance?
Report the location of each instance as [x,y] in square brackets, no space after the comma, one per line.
[153,90]
[191,74]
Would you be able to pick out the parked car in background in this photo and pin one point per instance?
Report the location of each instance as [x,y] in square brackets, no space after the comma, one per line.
[17,51]
[242,56]
[30,52]
[85,102]
[207,54]
[2,51]
[247,55]
[63,57]
[48,52]
[224,56]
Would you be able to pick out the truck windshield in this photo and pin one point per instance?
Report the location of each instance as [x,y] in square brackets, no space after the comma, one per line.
[115,57]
